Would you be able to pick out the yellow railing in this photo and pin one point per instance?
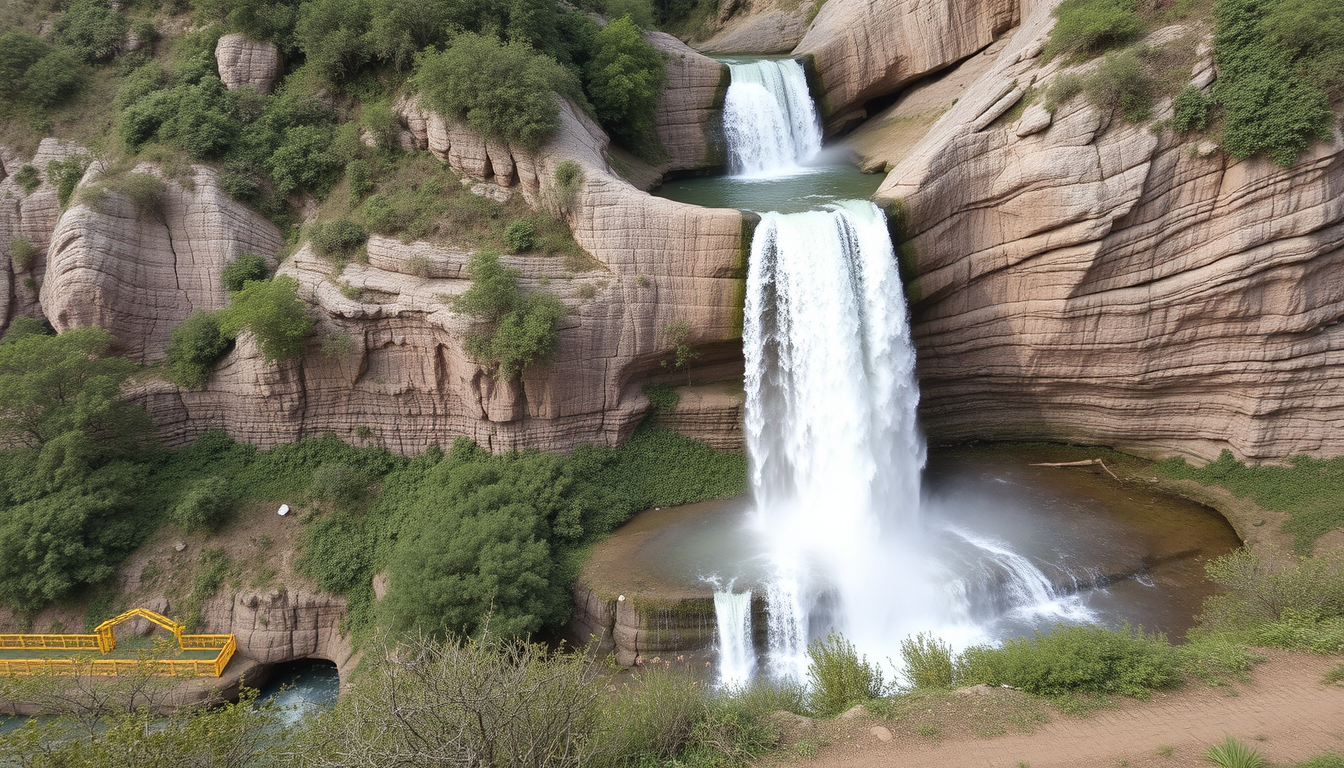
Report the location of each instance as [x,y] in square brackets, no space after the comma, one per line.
[21,642]
[105,641]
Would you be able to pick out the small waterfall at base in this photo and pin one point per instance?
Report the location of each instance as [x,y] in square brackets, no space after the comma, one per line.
[769,120]
[835,454]
[737,654]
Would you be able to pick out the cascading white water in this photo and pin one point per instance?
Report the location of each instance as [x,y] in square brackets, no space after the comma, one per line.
[737,656]
[769,119]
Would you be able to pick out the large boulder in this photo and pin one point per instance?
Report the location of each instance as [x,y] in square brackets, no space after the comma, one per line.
[863,49]
[1080,279]
[27,218]
[138,270]
[244,61]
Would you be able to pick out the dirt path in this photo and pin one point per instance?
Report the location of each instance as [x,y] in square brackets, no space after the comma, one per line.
[1285,711]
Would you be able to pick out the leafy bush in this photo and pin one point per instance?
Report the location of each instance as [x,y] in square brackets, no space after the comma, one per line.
[91,29]
[1121,81]
[1275,600]
[66,174]
[237,273]
[333,35]
[339,239]
[1233,754]
[31,71]
[206,504]
[1267,105]
[1088,27]
[653,719]
[838,677]
[146,192]
[194,347]
[513,330]
[360,179]
[1312,31]
[27,178]
[503,91]
[22,253]
[624,79]
[520,236]
[663,398]
[18,52]
[1191,110]
[339,484]
[1077,659]
[928,662]
[272,312]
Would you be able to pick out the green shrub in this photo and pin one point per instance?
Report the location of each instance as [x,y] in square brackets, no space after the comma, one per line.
[503,91]
[194,347]
[624,80]
[52,80]
[340,239]
[1077,659]
[513,330]
[1191,110]
[1062,89]
[248,266]
[1312,31]
[663,398]
[653,718]
[1334,675]
[1212,655]
[1121,81]
[1259,588]
[23,253]
[274,314]
[207,503]
[360,178]
[928,662]
[333,35]
[1088,27]
[339,484]
[91,29]
[1233,754]
[378,118]
[22,326]
[146,192]
[66,174]
[1268,106]
[18,52]
[838,677]
[1323,760]
[520,236]
[27,178]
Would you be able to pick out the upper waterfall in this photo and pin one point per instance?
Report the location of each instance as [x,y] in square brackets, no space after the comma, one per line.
[769,120]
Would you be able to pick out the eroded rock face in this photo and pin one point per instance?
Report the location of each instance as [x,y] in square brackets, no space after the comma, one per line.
[244,61]
[139,271]
[282,625]
[690,112]
[864,49]
[388,365]
[1084,280]
[30,217]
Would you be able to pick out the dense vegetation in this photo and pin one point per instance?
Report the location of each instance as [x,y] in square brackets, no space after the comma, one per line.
[513,330]
[1280,68]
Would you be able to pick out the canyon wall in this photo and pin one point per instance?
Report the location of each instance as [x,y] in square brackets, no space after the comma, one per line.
[1078,278]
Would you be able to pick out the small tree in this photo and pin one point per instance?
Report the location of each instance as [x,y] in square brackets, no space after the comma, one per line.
[248,266]
[272,311]
[513,330]
[682,353]
[194,347]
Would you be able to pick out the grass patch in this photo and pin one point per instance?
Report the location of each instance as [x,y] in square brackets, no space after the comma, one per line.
[1307,489]
[1234,754]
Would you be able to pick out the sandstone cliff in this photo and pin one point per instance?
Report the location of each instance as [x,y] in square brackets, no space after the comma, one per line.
[138,271]
[244,61]
[864,49]
[1082,279]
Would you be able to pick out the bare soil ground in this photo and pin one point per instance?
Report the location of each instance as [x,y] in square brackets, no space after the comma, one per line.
[1284,710]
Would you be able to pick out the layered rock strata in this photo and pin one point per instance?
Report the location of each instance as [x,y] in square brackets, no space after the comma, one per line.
[1082,279]
[139,271]
[861,49]
[244,61]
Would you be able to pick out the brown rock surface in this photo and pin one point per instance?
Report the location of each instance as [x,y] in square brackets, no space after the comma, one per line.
[690,112]
[31,217]
[864,49]
[139,273]
[244,61]
[762,26]
[1085,280]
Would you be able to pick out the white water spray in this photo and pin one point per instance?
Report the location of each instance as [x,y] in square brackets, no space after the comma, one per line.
[769,119]
[737,655]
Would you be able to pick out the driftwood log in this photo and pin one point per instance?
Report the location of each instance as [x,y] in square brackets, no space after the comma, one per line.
[1083,463]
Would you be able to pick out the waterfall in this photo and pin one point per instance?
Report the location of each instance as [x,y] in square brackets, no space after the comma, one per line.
[769,120]
[834,450]
[737,654]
